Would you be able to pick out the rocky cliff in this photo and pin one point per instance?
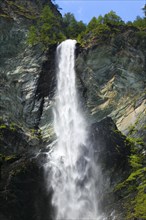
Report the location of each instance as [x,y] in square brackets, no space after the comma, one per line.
[111,77]
[111,83]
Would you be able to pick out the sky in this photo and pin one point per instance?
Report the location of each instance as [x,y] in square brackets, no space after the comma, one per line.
[85,9]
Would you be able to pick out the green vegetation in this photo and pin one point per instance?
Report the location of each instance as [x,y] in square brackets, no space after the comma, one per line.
[35,133]
[140,201]
[72,28]
[2,126]
[135,161]
[132,129]
[19,9]
[101,28]
[48,29]
[139,23]
[51,28]
[132,190]
[144,127]
[135,141]
[7,158]
[112,19]
[4,16]
[11,127]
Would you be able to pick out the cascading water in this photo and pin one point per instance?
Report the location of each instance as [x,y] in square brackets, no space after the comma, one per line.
[72,164]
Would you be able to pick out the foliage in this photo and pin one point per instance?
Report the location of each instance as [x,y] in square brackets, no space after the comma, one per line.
[144,10]
[109,19]
[133,188]
[51,29]
[132,129]
[141,35]
[131,180]
[105,27]
[113,19]
[92,24]
[3,126]
[140,202]
[7,158]
[140,22]
[47,29]
[135,141]
[135,161]
[101,28]
[72,28]
[11,127]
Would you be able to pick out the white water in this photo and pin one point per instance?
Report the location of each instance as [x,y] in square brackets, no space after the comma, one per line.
[72,164]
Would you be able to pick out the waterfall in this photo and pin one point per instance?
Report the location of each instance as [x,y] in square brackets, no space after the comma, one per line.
[72,165]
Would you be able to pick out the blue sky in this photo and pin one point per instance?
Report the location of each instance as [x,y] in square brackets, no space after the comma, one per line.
[85,9]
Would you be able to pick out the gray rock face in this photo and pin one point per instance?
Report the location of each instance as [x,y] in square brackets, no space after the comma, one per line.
[26,87]
[114,78]
[22,191]
[27,74]
[112,81]
[19,72]
[111,78]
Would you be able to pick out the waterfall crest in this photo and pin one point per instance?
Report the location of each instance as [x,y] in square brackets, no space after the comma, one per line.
[72,166]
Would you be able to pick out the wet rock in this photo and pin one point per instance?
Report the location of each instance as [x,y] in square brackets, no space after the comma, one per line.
[111,149]
[22,192]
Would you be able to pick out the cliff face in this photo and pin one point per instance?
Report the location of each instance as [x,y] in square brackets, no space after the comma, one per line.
[111,82]
[26,86]
[24,70]
[114,78]
[111,77]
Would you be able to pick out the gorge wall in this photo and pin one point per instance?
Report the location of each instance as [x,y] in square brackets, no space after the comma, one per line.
[111,84]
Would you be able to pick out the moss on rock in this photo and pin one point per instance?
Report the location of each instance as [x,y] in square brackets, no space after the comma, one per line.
[132,191]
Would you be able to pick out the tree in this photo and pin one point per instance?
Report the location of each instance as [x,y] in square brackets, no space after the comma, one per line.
[92,24]
[69,23]
[140,22]
[72,28]
[47,29]
[112,18]
[108,19]
[100,19]
[144,10]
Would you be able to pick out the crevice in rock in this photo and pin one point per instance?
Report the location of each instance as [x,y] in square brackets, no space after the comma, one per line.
[47,79]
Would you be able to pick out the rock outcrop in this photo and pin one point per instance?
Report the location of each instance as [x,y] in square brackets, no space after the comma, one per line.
[112,81]
[26,87]
[114,78]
